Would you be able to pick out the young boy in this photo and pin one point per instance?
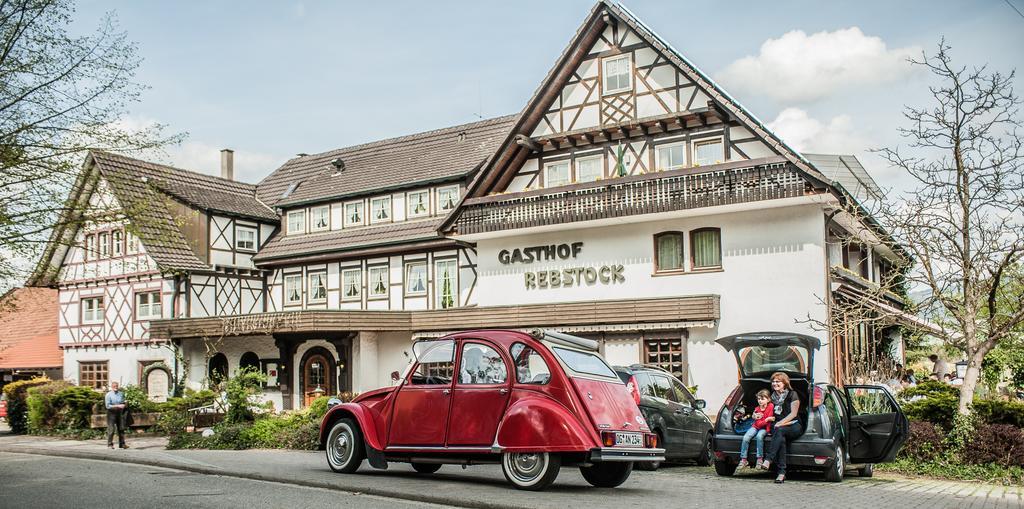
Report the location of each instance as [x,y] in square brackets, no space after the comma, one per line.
[761,427]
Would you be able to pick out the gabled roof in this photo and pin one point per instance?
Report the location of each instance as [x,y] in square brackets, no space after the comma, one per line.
[28,329]
[432,156]
[143,189]
[340,241]
[500,165]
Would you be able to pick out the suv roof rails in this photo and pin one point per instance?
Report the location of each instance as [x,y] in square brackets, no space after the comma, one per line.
[565,339]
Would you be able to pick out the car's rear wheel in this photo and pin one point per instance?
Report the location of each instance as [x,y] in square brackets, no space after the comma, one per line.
[724,468]
[345,450]
[707,456]
[426,468]
[531,471]
[866,471]
[838,468]
[607,475]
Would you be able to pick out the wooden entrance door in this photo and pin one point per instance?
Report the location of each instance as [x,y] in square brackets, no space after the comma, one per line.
[318,379]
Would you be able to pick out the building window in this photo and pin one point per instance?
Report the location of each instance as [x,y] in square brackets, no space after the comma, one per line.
[708,152]
[351,284]
[556,174]
[317,287]
[617,75]
[217,370]
[668,251]
[147,306]
[293,289]
[378,282]
[93,374]
[671,157]
[90,247]
[104,244]
[354,213]
[706,248]
[446,282]
[668,354]
[249,360]
[447,198]
[245,238]
[320,218]
[117,242]
[380,209]
[416,278]
[296,222]
[418,203]
[133,243]
[92,310]
[589,169]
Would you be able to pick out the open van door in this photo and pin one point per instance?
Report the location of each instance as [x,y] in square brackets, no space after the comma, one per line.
[877,425]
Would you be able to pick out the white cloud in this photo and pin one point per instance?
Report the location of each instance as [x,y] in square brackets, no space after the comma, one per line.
[799,68]
[807,134]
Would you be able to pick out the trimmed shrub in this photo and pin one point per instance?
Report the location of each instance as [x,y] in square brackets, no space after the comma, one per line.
[937,409]
[926,442]
[42,410]
[137,400]
[996,411]
[61,408]
[1000,444]
[17,407]
[75,406]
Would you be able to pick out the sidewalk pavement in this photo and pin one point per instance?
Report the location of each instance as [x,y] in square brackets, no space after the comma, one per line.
[485,487]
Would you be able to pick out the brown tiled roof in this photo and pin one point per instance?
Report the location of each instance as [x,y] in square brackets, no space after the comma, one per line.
[283,246]
[28,329]
[216,200]
[135,183]
[386,164]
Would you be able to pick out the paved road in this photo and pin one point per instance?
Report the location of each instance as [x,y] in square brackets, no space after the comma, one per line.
[31,481]
[485,487]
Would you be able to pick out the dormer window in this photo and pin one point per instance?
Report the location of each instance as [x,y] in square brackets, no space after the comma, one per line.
[320,218]
[354,213]
[617,75]
[104,242]
[117,243]
[418,203]
[297,222]
[380,209]
[447,197]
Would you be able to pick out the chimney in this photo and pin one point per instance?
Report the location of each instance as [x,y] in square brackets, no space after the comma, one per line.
[227,164]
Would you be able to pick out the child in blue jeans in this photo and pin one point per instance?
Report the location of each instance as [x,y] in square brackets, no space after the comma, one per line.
[761,427]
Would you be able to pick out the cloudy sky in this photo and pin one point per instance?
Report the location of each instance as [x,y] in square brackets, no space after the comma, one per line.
[272,79]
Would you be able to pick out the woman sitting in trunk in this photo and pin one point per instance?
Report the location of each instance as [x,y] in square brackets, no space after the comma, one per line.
[786,427]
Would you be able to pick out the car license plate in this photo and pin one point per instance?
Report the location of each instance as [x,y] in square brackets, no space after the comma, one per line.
[629,439]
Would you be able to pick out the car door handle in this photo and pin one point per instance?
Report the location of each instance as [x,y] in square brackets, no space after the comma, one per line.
[446,391]
[502,391]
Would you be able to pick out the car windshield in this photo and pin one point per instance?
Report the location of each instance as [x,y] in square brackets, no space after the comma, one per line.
[583,362]
[772,357]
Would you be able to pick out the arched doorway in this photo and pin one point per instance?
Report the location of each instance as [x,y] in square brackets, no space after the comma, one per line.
[218,369]
[249,360]
[318,375]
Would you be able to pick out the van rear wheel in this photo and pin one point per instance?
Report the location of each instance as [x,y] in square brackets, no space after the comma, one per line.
[607,475]
[532,471]
[724,468]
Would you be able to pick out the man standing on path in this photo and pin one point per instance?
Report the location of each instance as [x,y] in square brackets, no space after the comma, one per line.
[940,368]
[114,402]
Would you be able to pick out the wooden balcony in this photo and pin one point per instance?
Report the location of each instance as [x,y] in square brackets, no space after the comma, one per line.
[690,188]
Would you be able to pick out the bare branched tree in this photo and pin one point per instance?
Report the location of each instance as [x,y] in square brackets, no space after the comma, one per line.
[61,95]
[963,221]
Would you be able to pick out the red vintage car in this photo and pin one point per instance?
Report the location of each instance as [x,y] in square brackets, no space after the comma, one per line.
[531,402]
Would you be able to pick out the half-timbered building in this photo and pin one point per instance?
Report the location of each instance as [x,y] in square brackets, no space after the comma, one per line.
[631,201]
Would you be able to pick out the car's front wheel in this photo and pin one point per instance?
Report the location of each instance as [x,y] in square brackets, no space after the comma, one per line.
[838,468]
[607,475]
[707,456]
[724,468]
[345,447]
[426,468]
[531,471]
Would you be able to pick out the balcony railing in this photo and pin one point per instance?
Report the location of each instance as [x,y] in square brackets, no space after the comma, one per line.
[628,196]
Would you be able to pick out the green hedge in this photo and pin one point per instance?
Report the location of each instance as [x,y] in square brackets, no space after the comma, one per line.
[936,402]
[17,406]
[292,430]
[59,407]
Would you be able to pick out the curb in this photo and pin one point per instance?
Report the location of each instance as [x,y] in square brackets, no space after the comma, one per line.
[378,492]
